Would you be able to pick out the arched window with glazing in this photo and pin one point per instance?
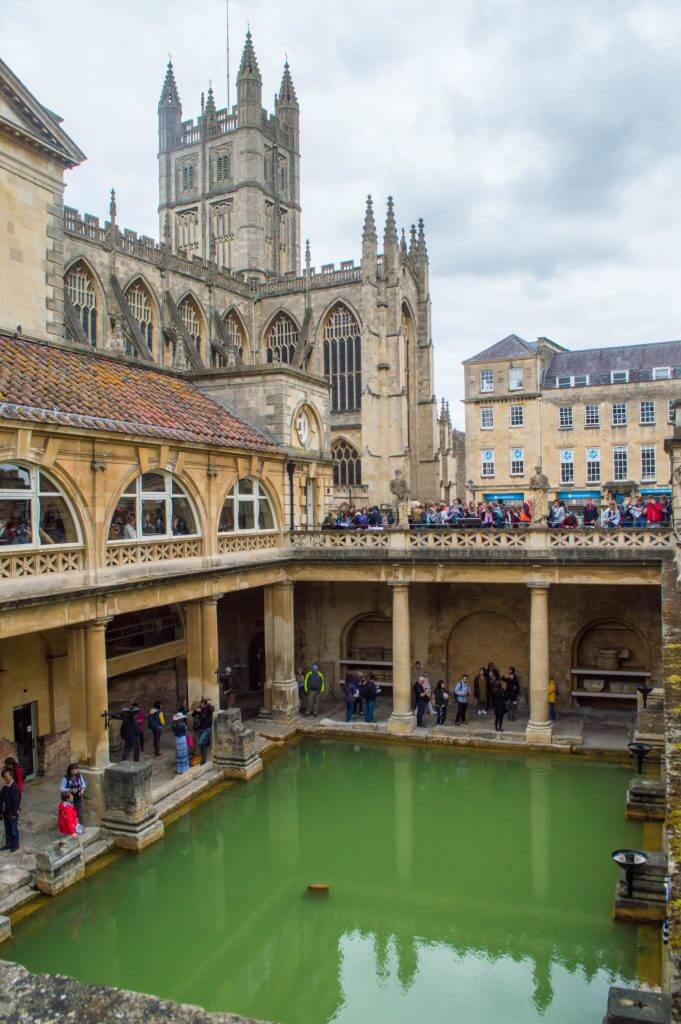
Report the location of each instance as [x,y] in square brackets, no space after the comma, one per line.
[347,465]
[247,509]
[139,301]
[191,318]
[80,289]
[343,359]
[236,335]
[282,338]
[153,506]
[34,512]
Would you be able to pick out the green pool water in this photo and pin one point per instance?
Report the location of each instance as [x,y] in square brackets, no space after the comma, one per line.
[464,887]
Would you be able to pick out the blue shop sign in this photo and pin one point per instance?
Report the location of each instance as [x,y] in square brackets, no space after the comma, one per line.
[579,495]
[656,490]
[513,496]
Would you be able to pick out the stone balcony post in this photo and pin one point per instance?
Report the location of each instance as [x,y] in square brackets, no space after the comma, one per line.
[281,691]
[539,727]
[402,717]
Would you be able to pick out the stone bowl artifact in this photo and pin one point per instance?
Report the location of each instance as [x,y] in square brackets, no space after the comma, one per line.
[630,861]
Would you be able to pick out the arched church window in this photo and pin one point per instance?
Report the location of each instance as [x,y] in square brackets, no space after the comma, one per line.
[247,508]
[140,305]
[347,465]
[33,510]
[282,338]
[343,359]
[154,505]
[236,335]
[191,319]
[81,291]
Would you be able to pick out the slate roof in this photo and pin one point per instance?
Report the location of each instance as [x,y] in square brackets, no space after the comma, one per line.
[512,347]
[44,384]
[639,360]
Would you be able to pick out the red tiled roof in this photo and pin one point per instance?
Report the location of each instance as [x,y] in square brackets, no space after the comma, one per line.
[45,384]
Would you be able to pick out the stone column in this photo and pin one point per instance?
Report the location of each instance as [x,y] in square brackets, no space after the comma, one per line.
[209,650]
[75,645]
[402,718]
[281,691]
[193,619]
[96,693]
[539,727]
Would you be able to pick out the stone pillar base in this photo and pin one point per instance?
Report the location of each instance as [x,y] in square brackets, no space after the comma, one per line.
[59,864]
[281,701]
[234,746]
[130,817]
[539,732]
[135,837]
[401,724]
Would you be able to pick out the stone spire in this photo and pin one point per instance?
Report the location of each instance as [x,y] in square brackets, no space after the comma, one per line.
[390,232]
[112,207]
[287,93]
[412,241]
[369,232]
[210,111]
[422,251]
[169,94]
[403,244]
[249,62]
[308,259]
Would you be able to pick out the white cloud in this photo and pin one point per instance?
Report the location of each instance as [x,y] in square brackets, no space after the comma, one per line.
[539,141]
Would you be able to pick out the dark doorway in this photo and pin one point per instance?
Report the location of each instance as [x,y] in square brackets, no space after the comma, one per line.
[25,738]
[256,662]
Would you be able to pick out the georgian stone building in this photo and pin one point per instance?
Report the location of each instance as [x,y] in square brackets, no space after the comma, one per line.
[595,419]
[224,299]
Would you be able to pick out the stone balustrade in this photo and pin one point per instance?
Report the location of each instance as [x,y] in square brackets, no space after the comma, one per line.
[140,552]
[41,562]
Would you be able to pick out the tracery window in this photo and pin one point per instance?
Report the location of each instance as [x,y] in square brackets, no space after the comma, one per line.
[343,359]
[153,505]
[140,305]
[246,509]
[81,291]
[191,320]
[282,338]
[221,232]
[347,465]
[187,232]
[33,510]
[235,333]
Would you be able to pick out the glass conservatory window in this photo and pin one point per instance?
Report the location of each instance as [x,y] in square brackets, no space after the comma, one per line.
[33,511]
[246,507]
[153,505]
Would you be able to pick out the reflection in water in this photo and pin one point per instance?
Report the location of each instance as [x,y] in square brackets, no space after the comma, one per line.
[463,887]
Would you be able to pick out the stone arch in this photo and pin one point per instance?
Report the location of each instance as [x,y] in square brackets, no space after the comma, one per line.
[189,301]
[601,635]
[347,463]
[187,484]
[237,333]
[153,336]
[486,635]
[341,331]
[367,637]
[76,288]
[280,337]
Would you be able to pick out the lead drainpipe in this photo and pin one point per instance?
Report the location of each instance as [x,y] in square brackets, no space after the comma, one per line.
[290,469]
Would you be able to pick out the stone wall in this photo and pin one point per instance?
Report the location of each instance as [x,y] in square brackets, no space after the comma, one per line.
[671,662]
[54,752]
[38,998]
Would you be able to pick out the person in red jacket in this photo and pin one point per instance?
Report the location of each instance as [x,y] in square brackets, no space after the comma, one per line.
[67,819]
[654,512]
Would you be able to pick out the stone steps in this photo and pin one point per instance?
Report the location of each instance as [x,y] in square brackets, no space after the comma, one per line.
[177,796]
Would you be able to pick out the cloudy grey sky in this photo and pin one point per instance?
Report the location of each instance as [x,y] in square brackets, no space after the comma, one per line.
[539,139]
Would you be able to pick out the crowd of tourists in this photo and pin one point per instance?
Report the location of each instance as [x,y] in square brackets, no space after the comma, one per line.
[634,511]
[489,693]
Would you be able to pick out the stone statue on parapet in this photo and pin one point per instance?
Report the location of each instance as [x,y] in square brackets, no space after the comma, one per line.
[399,488]
[539,486]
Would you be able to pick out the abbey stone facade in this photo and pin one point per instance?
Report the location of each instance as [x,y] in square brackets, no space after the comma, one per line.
[336,363]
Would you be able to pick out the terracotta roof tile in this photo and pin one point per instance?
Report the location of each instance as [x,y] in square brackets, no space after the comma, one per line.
[45,384]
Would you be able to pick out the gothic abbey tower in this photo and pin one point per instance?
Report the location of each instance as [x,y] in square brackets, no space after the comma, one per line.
[229,182]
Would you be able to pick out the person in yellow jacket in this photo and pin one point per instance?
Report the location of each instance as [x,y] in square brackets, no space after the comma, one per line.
[553,696]
[313,686]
